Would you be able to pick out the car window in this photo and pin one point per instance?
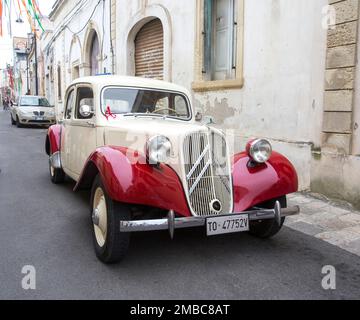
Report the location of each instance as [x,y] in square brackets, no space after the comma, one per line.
[181,106]
[69,105]
[162,104]
[147,102]
[85,96]
[34,102]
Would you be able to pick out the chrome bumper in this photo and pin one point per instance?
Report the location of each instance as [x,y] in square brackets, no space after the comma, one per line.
[172,223]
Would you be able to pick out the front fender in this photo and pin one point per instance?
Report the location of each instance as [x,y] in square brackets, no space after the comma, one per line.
[53,139]
[129,179]
[255,185]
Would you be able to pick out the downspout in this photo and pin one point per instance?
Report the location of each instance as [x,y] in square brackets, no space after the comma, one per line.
[111,41]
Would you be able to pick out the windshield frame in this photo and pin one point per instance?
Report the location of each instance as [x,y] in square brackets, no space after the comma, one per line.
[148,115]
[20,102]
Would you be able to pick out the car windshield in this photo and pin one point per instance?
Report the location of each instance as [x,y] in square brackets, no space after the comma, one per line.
[34,102]
[146,102]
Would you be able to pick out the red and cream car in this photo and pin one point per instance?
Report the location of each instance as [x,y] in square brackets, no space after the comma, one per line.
[150,165]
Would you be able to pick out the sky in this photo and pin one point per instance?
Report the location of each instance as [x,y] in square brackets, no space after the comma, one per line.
[19,30]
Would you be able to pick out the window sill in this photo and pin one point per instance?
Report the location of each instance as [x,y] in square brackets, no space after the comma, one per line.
[203,86]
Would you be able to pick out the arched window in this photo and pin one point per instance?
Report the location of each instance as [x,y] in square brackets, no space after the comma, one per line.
[94,55]
[149,51]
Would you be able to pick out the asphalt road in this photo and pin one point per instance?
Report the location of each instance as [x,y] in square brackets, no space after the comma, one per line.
[48,227]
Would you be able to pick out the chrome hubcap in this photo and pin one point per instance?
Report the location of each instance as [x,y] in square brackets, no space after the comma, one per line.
[99,217]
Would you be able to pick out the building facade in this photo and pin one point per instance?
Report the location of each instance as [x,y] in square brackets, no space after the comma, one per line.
[21,77]
[77,44]
[285,70]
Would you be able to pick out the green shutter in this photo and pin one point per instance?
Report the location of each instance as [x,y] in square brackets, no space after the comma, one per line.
[208,29]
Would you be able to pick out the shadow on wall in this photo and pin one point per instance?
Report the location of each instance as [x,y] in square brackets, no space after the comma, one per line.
[220,110]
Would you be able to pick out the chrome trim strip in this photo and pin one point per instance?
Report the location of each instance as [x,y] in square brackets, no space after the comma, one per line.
[197,163]
[200,177]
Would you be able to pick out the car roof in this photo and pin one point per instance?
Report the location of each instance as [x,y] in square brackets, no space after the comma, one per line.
[108,80]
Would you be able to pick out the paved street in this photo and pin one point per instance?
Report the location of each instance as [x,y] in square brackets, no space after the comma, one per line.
[48,226]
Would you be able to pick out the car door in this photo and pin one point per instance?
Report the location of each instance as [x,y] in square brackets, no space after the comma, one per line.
[83,130]
[66,130]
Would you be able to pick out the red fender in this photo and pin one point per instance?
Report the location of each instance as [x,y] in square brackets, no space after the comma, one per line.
[53,139]
[253,186]
[129,179]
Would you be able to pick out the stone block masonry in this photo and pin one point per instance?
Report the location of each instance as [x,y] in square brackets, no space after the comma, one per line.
[340,76]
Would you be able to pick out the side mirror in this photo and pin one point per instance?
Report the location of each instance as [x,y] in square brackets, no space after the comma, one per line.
[205,120]
[86,111]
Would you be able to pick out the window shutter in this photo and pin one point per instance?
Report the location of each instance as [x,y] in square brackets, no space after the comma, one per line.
[149,51]
[223,55]
[208,28]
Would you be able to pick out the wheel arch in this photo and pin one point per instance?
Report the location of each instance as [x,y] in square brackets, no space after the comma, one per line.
[254,185]
[88,176]
[127,178]
[53,140]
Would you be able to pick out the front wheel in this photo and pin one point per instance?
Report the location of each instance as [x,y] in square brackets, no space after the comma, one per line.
[268,228]
[13,122]
[111,245]
[18,123]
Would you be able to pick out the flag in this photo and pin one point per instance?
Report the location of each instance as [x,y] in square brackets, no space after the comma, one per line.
[1,14]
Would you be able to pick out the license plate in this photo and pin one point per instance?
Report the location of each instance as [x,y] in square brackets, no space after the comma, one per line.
[39,118]
[230,224]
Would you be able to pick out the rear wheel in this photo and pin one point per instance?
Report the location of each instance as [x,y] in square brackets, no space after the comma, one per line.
[268,228]
[57,176]
[111,245]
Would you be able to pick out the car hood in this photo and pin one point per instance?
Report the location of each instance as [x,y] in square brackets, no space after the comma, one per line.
[134,130]
[134,133]
[36,109]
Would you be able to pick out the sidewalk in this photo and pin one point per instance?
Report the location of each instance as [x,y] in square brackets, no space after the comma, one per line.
[336,223]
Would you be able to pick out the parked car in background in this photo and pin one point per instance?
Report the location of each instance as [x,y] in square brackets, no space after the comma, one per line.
[32,110]
[151,166]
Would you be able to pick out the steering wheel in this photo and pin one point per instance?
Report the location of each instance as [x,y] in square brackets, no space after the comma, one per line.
[164,109]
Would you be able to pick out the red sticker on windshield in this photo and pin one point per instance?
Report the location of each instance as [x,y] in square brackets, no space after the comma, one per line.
[109,114]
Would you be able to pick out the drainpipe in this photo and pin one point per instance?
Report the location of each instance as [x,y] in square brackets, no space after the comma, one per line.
[111,42]
[36,66]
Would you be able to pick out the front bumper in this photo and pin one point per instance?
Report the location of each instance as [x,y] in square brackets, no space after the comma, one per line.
[172,223]
[31,120]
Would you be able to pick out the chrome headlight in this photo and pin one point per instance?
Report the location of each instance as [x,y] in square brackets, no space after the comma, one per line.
[51,113]
[260,150]
[158,150]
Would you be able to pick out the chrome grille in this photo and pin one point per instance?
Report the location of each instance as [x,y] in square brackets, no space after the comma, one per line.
[207,173]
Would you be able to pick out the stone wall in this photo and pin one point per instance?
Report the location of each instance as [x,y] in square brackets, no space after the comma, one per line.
[336,165]
[340,77]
